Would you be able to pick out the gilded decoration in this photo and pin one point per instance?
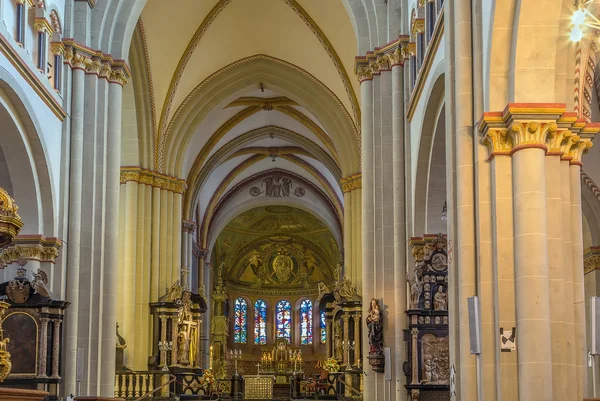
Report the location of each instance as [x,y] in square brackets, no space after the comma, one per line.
[550,128]
[5,364]
[10,221]
[30,247]
[591,259]
[351,183]
[95,62]
[382,59]
[277,248]
[152,178]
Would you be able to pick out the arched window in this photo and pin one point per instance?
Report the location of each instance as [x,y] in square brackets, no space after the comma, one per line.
[283,318]
[240,323]
[323,326]
[260,322]
[306,335]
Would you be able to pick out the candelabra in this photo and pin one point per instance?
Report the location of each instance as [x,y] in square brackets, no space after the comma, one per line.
[296,357]
[348,346]
[165,346]
[235,355]
[266,362]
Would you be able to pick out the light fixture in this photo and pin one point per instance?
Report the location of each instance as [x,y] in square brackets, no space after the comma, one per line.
[583,17]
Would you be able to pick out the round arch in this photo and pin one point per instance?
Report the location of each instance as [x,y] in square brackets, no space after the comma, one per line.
[25,154]
[430,119]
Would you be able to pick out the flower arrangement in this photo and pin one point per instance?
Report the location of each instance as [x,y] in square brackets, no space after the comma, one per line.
[207,379]
[331,365]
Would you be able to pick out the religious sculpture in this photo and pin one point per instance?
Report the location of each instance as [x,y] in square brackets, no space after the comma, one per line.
[415,291]
[183,346]
[440,299]
[338,348]
[436,366]
[375,332]
[5,364]
[277,186]
[172,294]
[282,266]
[187,330]
[39,284]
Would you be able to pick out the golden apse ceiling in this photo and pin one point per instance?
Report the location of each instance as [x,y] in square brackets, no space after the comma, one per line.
[277,248]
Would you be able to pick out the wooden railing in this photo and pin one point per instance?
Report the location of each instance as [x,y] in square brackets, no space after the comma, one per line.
[130,385]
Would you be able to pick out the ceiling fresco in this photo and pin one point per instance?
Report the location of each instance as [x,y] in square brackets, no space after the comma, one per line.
[277,247]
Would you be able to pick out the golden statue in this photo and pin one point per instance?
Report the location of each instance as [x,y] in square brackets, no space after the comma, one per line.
[5,364]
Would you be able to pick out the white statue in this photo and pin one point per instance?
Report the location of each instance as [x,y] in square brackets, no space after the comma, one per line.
[39,284]
[440,299]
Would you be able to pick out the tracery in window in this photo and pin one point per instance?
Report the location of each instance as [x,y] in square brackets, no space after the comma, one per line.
[240,323]
[283,320]
[260,322]
[306,335]
[323,326]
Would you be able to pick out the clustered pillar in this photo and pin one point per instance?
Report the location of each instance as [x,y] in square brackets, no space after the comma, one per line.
[535,152]
[96,83]
[383,206]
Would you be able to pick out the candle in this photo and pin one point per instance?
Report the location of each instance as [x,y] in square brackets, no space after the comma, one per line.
[210,359]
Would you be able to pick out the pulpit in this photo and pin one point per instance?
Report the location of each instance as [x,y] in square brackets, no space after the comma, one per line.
[258,387]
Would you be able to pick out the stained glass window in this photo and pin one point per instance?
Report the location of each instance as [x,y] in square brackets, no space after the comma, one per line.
[260,322]
[283,317]
[240,323]
[306,336]
[323,326]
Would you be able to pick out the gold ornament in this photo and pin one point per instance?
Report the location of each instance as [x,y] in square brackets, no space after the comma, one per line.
[10,221]
[5,364]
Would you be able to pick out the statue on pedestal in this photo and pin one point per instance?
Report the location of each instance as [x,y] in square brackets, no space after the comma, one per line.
[338,341]
[375,330]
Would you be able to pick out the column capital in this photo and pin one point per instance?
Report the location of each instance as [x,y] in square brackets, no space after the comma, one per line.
[381,58]
[41,24]
[188,226]
[351,182]
[591,259]
[547,126]
[345,317]
[114,70]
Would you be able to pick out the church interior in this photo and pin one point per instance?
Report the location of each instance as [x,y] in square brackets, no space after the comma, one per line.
[377,200]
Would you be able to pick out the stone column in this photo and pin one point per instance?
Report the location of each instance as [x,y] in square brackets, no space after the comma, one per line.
[565,179]
[462,274]
[368,208]
[174,334]
[580,145]
[349,270]
[177,237]
[531,258]
[127,292]
[155,265]
[165,277]
[78,63]
[414,335]
[399,218]
[556,274]
[356,318]
[56,348]
[346,338]
[503,254]
[42,365]
[109,296]
[163,339]
[202,269]
[329,329]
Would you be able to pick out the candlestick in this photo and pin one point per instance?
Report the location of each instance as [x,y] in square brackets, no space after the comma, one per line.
[210,359]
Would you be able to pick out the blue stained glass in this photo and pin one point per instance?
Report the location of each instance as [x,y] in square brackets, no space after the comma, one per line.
[306,337]
[283,317]
[260,322]
[240,323]
[323,328]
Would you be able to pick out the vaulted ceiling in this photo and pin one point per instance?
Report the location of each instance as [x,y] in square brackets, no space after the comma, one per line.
[238,88]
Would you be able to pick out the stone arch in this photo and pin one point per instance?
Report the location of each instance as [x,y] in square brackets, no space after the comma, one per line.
[432,113]
[590,206]
[25,156]
[436,179]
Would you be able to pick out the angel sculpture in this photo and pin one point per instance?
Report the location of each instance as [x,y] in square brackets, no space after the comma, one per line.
[40,284]
[172,294]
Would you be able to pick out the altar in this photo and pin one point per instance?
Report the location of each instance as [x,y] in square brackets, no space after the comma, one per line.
[258,387]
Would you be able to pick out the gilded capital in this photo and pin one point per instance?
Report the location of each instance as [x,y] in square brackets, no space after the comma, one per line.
[558,141]
[42,25]
[498,141]
[579,147]
[105,70]
[93,67]
[80,61]
[57,48]
[531,133]
[364,73]
[118,76]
